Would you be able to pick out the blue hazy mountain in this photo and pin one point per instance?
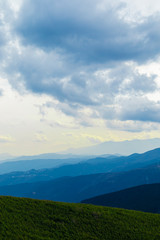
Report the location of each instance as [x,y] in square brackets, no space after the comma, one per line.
[39,161]
[50,160]
[52,156]
[109,164]
[75,189]
[44,174]
[122,148]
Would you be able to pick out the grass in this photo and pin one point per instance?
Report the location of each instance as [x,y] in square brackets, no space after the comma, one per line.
[45,220]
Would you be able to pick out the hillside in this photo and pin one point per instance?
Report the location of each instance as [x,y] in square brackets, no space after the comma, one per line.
[144,198]
[75,189]
[46,220]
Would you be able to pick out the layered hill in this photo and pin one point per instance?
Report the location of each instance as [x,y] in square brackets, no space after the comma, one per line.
[143,198]
[75,189]
[92,166]
[46,220]
[33,162]
[44,174]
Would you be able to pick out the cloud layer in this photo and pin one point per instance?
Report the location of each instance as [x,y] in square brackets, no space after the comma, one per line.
[87,31]
[85,55]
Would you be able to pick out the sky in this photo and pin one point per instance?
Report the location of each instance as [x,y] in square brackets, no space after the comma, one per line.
[75,73]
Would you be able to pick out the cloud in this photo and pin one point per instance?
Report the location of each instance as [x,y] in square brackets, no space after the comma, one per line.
[4,38]
[49,73]
[131,126]
[87,32]
[101,91]
[140,109]
[133,108]
[46,73]
[85,55]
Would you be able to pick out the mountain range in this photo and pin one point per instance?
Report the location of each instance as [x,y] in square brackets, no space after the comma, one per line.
[75,189]
[121,147]
[28,163]
[89,178]
[110,164]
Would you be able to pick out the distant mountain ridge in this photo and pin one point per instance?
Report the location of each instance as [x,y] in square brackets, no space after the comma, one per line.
[122,147]
[85,167]
[144,198]
[19,164]
[106,166]
[75,189]
[52,156]
[36,175]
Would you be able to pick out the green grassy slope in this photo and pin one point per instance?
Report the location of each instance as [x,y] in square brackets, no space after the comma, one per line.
[34,219]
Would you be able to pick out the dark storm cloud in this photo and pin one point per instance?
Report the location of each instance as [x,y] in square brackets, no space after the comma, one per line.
[51,74]
[84,55]
[131,125]
[86,32]
[133,108]
[141,110]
